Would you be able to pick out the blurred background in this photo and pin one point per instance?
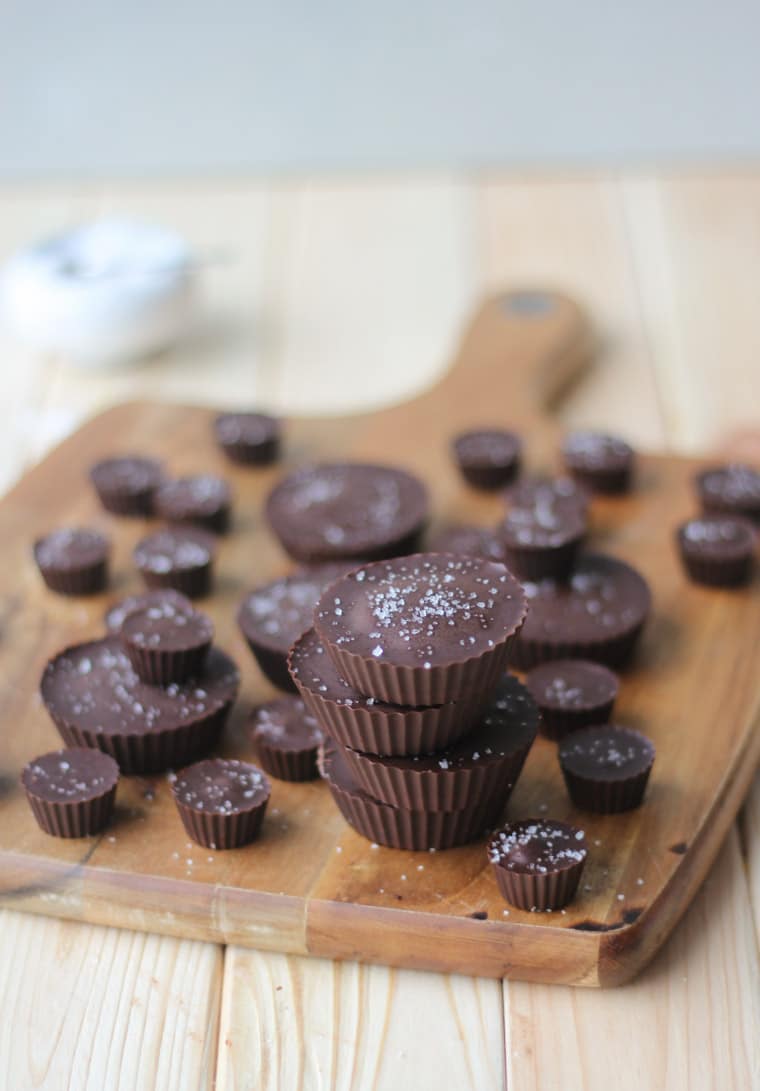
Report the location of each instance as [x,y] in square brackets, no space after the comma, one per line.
[348,181]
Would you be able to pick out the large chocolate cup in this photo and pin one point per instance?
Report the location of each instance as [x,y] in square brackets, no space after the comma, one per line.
[384,729]
[444,790]
[152,751]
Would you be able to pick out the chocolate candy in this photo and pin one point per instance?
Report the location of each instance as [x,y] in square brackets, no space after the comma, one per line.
[398,827]
[422,630]
[126,485]
[489,458]
[538,862]
[598,614]
[71,792]
[333,511]
[177,557]
[488,760]
[548,496]
[606,767]
[542,542]
[272,617]
[572,693]
[601,462]
[95,699]
[115,615]
[733,489]
[286,738]
[221,802]
[73,561]
[166,643]
[251,439]
[718,550]
[365,723]
[203,501]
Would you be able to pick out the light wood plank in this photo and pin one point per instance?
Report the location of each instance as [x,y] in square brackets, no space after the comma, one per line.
[88,1008]
[750,827]
[696,246]
[690,1020]
[571,235]
[376,282]
[290,1023]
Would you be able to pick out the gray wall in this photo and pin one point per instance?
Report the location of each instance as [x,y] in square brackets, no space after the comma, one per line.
[179,84]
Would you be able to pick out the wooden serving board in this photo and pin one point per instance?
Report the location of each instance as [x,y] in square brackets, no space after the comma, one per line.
[311,885]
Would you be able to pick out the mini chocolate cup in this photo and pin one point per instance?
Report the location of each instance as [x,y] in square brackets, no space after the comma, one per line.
[122,499]
[184,512]
[152,751]
[538,890]
[291,765]
[78,817]
[486,468]
[213,829]
[193,582]
[610,482]
[538,893]
[87,580]
[536,563]
[607,795]
[259,451]
[728,573]
[222,831]
[381,728]
[157,667]
[558,720]
[728,562]
[400,828]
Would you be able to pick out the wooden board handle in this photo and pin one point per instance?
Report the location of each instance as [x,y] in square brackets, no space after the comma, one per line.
[527,344]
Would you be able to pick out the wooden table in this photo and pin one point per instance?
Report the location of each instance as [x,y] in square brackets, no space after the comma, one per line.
[323,281]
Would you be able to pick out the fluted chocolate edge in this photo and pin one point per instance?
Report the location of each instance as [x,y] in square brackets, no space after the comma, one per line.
[80,818]
[537,892]
[222,831]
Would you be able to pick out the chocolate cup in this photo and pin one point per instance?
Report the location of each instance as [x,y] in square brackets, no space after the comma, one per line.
[494,463]
[248,451]
[606,796]
[194,582]
[452,779]
[439,683]
[273,665]
[286,738]
[74,818]
[87,580]
[220,832]
[399,828]
[156,751]
[722,563]
[382,728]
[537,891]
[118,612]
[730,489]
[160,668]
[177,502]
[559,720]
[120,498]
[291,765]
[604,465]
[536,563]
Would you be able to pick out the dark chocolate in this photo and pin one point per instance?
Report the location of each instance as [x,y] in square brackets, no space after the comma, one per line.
[597,615]
[221,802]
[542,542]
[464,538]
[166,643]
[487,760]
[73,560]
[488,458]
[422,630]
[538,862]
[733,489]
[602,462]
[71,792]
[548,495]
[606,767]
[95,699]
[116,615]
[286,738]
[127,484]
[365,723]
[718,550]
[177,557]
[249,438]
[203,500]
[332,511]
[572,693]
[272,617]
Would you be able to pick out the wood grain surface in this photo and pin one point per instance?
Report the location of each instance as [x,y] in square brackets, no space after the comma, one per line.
[311,885]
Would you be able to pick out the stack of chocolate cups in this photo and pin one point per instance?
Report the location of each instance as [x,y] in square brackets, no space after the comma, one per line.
[405,671]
